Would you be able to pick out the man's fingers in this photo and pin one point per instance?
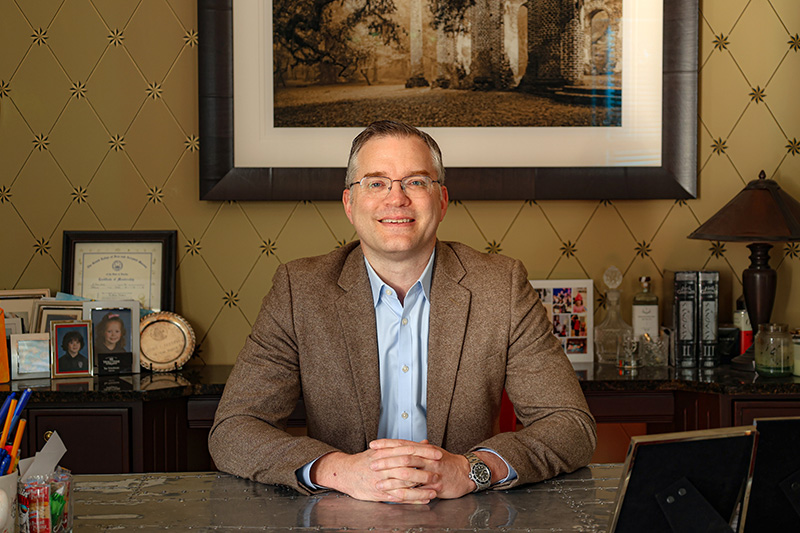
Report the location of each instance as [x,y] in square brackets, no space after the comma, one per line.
[416,449]
[392,443]
[413,495]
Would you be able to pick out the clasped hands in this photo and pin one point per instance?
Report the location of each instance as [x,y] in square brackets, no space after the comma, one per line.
[394,470]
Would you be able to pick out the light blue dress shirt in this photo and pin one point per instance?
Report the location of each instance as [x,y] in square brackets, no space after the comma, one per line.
[402,330]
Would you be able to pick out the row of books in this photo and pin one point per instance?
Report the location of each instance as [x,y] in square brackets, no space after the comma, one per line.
[692,312]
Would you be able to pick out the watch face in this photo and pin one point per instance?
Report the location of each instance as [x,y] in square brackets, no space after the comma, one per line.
[482,474]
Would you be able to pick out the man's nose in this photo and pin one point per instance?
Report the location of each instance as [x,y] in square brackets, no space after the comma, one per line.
[396,192]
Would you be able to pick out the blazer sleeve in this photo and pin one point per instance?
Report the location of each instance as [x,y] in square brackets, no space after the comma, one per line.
[248,437]
[559,432]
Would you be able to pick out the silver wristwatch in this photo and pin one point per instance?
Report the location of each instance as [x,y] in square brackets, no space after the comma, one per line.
[478,472]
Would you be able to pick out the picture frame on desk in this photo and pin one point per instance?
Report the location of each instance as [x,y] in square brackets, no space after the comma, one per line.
[568,303]
[30,356]
[19,303]
[674,481]
[71,349]
[116,335]
[13,326]
[47,311]
[121,265]
[244,157]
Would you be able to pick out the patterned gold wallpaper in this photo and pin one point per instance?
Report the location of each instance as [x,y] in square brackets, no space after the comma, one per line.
[98,131]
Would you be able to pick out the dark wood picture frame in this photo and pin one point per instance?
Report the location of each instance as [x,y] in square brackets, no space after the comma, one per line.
[675,178]
[169,260]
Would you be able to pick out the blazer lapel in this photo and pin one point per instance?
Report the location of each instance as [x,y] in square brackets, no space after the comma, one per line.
[357,316]
[448,323]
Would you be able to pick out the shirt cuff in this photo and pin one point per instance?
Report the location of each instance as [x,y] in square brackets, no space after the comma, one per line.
[512,474]
[304,476]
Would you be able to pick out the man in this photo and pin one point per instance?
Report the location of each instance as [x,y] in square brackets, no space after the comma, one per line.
[401,346]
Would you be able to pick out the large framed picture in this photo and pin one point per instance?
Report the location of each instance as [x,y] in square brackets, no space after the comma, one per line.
[116,335]
[121,265]
[30,356]
[569,305]
[71,349]
[277,133]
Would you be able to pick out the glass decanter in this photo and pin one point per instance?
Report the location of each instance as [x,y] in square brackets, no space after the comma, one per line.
[609,335]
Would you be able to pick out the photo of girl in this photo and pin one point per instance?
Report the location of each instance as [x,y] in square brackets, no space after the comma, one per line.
[72,359]
[111,334]
[577,306]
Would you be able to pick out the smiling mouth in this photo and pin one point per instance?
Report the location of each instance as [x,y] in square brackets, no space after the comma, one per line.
[396,220]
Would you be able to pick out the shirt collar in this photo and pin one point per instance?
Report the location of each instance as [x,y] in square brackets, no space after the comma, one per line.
[377,284]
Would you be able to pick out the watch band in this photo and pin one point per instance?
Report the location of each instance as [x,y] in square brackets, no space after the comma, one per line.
[478,472]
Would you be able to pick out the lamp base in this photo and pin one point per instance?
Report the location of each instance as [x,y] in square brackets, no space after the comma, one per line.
[745,362]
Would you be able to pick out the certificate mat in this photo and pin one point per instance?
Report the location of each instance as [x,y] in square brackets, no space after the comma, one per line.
[119,271]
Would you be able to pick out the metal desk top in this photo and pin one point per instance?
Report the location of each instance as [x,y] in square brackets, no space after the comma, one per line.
[212,501]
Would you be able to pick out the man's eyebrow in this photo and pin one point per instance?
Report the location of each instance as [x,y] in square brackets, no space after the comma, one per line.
[379,174]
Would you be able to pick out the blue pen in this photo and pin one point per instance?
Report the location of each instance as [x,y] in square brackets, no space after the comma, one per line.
[4,409]
[5,464]
[23,400]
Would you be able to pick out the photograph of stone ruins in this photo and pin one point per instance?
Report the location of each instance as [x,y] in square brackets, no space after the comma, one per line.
[447,63]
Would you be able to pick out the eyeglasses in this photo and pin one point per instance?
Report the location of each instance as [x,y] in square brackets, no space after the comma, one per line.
[413,186]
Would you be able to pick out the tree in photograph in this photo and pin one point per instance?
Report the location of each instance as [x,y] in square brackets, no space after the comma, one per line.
[449,16]
[341,35]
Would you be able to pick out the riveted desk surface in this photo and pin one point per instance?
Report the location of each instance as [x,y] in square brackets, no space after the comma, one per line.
[211,501]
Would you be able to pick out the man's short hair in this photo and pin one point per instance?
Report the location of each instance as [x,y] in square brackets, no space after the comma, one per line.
[391,128]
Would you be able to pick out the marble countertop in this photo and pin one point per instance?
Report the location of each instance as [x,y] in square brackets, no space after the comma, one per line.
[581,501]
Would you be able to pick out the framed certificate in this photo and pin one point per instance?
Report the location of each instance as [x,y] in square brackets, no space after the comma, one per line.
[121,265]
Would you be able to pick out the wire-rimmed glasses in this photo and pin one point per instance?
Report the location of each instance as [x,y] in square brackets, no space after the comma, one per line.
[380,186]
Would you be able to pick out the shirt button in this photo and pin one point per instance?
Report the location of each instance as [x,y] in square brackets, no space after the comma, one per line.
[389,292]
[405,368]
[405,321]
[404,415]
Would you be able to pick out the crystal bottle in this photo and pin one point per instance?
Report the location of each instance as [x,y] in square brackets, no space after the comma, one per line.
[610,335]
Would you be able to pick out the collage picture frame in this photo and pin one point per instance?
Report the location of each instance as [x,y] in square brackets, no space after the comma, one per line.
[569,306]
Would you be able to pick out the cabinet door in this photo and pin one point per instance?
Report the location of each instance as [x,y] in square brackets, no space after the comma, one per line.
[744,411]
[97,439]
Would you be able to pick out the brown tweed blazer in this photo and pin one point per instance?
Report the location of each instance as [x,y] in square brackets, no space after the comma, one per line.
[315,335]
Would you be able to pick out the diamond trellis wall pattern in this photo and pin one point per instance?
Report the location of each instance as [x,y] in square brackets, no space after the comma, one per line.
[98,131]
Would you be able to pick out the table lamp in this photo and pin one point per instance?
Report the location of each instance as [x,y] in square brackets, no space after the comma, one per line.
[761,213]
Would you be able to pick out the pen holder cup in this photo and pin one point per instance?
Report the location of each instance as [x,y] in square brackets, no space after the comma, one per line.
[8,502]
[45,503]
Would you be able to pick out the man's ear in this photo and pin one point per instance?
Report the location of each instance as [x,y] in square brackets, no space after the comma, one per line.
[346,199]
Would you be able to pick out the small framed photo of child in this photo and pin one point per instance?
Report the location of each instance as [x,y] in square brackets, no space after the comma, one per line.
[71,350]
[116,335]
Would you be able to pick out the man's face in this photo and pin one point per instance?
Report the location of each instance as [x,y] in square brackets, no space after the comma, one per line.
[395,227]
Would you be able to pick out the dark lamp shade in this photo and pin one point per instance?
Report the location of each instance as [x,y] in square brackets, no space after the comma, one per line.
[761,212]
